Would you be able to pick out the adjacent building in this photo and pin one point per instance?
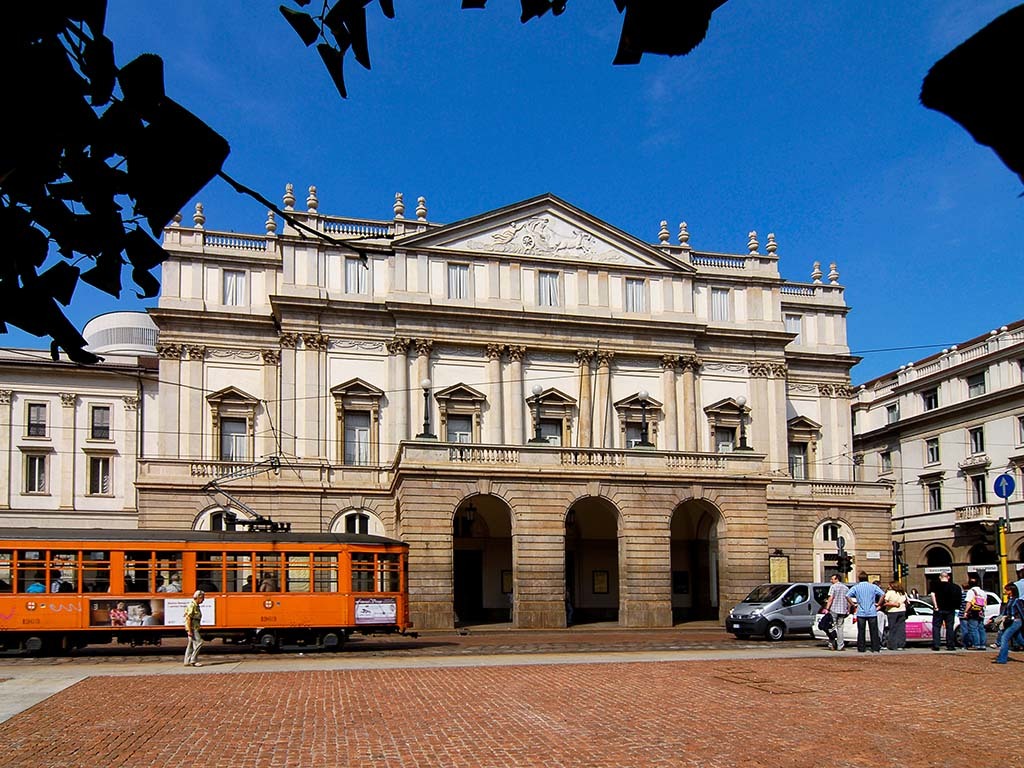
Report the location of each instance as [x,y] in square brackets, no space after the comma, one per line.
[549,410]
[941,430]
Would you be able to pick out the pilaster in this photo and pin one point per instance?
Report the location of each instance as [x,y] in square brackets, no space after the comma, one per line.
[398,394]
[586,401]
[495,420]
[671,415]
[169,414]
[65,444]
[516,353]
[6,443]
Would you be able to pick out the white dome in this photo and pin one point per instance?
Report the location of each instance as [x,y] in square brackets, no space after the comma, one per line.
[121,333]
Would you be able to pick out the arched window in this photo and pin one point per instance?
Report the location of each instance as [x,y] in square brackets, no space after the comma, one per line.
[219,519]
[830,532]
[358,521]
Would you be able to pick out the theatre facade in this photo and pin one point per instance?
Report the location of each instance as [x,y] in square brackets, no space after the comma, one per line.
[554,414]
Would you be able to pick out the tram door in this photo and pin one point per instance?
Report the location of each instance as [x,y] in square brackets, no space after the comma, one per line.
[469,584]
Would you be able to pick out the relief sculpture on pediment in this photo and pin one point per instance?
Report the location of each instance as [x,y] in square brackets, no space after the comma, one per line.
[542,236]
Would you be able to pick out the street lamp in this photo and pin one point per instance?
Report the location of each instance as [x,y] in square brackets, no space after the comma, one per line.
[741,401]
[426,434]
[537,389]
[643,396]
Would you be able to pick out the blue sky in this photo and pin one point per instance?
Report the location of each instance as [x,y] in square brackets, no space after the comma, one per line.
[800,118]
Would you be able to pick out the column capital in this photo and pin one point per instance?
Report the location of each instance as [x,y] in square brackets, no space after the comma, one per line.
[605,357]
[759,370]
[195,351]
[271,356]
[317,341]
[424,347]
[67,399]
[690,363]
[494,351]
[289,339]
[397,346]
[584,356]
[516,352]
[669,362]
[5,396]
[168,351]
[131,402]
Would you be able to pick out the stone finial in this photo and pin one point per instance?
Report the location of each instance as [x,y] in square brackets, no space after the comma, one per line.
[289,197]
[684,236]
[312,203]
[752,244]
[772,246]
[1003,329]
[421,208]
[816,272]
[199,217]
[833,274]
[399,206]
[271,224]
[176,219]
[663,234]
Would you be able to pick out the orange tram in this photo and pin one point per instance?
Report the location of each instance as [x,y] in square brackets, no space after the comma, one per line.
[61,590]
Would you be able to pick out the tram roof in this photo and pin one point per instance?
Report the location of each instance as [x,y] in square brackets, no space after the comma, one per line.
[208,537]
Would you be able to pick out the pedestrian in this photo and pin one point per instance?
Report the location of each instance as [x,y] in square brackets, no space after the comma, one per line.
[839,607]
[915,594]
[193,620]
[895,602]
[1016,616]
[866,598]
[946,598]
[975,600]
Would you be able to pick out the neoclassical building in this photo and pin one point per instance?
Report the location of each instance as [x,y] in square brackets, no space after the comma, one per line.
[941,430]
[546,408]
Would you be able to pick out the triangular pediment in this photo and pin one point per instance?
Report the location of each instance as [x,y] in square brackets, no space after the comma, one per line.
[231,395]
[633,401]
[356,388]
[544,228]
[803,423]
[552,396]
[461,392]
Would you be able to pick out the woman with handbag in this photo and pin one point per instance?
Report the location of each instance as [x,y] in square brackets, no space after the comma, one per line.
[895,602]
[1015,613]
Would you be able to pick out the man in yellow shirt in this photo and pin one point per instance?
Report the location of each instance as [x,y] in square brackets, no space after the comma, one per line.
[193,620]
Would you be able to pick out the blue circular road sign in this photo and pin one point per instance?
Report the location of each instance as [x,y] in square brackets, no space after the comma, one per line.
[1004,486]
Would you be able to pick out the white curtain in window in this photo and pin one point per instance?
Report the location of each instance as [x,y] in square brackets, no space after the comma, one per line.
[458,281]
[233,434]
[720,309]
[357,437]
[357,274]
[636,295]
[548,290]
[234,288]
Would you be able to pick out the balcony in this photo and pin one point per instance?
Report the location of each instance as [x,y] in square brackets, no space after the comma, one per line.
[975,461]
[976,512]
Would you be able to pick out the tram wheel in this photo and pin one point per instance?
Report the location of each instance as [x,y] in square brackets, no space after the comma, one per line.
[267,641]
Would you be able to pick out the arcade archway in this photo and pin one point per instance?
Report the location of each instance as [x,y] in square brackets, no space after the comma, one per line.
[482,561]
[591,562]
[694,542]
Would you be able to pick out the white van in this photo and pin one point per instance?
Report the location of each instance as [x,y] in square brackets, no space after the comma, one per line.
[775,610]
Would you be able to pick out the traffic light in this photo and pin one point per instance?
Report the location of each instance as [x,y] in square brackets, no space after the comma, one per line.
[904,570]
[844,563]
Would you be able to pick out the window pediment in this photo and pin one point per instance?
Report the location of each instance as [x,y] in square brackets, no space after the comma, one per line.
[460,394]
[232,396]
[357,388]
[553,398]
[725,413]
[803,430]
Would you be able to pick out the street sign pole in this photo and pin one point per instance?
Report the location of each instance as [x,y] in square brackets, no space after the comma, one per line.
[1004,487]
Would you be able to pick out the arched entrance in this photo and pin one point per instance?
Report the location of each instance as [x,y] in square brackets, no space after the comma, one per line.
[694,542]
[826,548]
[591,562]
[482,561]
[984,565]
[936,559]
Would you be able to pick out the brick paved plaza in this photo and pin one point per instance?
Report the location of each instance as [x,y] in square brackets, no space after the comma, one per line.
[765,709]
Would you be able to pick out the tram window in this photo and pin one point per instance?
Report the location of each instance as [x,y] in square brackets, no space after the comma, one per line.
[30,570]
[269,569]
[63,572]
[362,572]
[7,571]
[238,573]
[325,573]
[387,573]
[209,572]
[168,571]
[138,571]
[298,573]
[95,571]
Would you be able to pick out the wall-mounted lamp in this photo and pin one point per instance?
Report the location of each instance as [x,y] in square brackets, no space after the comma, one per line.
[537,390]
[426,434]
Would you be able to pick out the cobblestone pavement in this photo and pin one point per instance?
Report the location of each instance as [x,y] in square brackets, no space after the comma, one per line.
[764,704]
